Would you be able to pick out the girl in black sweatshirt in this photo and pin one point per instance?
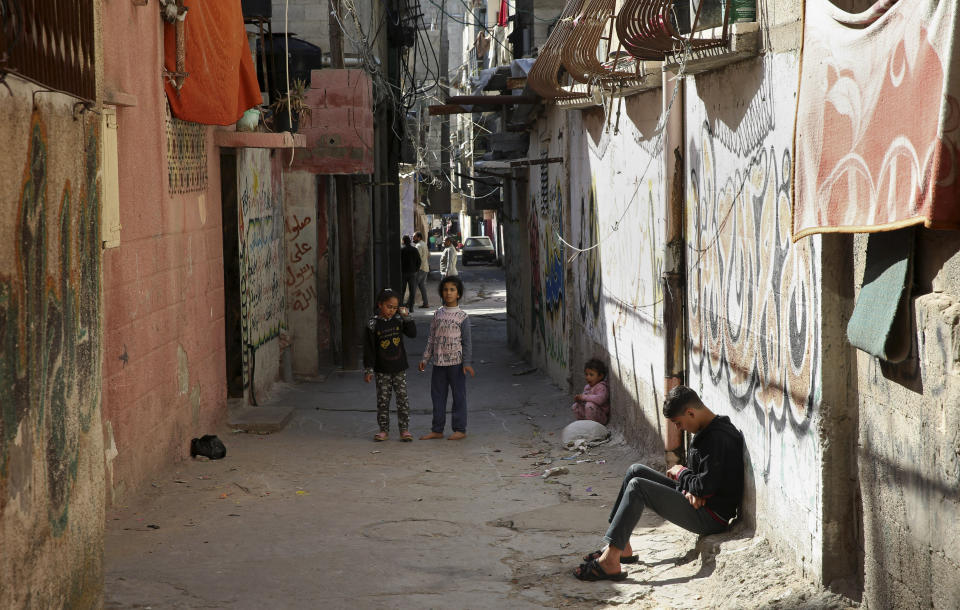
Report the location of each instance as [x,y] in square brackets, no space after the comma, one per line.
[385,358]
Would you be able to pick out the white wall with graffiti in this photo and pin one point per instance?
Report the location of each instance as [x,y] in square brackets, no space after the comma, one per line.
[262,265]
[753,297]
[617,216]
[546,324]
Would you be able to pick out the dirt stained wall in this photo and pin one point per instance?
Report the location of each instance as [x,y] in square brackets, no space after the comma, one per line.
[51,448]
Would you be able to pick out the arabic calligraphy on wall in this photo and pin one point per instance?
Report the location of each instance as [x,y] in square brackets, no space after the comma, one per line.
[753,297]
[301,271]
[261,231]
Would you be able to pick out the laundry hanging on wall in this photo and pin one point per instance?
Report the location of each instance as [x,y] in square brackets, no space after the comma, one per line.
[878,119]
[219,83]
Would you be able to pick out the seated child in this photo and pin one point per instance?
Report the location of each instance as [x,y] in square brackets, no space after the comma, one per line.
[593,403]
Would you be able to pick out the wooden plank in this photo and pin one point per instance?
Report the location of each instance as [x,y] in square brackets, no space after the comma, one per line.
[517,83]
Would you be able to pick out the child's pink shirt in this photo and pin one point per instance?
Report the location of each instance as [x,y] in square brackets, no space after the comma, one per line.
[597,394]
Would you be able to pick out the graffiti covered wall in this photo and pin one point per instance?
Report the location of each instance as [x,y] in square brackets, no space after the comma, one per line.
[753,296]
[51,460]
[262,265]
[546,324]
[617,216]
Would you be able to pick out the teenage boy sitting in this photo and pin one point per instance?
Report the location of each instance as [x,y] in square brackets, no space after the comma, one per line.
[703,497]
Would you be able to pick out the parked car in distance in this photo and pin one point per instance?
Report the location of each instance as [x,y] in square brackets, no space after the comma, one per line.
[478,249]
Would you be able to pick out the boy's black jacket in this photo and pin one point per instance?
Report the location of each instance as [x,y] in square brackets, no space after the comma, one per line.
[383,349]
[715,467]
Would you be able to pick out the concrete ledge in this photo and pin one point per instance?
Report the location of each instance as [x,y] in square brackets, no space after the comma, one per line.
[744,43]
[259,420]
[244,139]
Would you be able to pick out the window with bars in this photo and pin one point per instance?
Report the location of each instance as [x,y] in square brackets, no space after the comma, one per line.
[50,42]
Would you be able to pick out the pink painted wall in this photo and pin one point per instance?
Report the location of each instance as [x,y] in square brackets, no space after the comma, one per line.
[164,370]
[340,129]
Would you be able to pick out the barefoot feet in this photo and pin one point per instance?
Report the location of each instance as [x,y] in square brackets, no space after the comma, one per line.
[432,435]
[456,436]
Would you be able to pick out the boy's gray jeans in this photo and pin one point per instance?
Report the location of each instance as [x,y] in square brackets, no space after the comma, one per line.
[643,487]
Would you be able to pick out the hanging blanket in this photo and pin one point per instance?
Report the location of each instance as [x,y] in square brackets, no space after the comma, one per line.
[877,119]
[880,323]
[221,82]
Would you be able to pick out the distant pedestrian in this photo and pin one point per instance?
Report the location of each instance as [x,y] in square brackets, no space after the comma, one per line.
[594,402]
[448,260]
[450,350]
[424,267]
[409,266]
[385,358]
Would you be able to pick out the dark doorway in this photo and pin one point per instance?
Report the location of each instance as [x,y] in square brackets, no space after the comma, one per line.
[231,273]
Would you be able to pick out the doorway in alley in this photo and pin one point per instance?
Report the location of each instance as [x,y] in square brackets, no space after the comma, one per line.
[231,273]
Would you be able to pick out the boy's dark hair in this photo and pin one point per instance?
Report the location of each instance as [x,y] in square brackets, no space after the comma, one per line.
[406,240]
[451,279]
[679,399]
[387,293]
[418,235]
[597,365]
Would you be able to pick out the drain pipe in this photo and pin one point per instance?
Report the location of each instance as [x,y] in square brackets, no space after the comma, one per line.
[674,269]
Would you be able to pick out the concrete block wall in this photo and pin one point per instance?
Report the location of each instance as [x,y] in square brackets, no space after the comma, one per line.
[51,338]
[909,446]
[164,372]
[308,19]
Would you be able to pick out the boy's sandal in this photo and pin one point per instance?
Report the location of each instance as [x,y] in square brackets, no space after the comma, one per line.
[380,436]
[623,558]
[592,571]
[406,437]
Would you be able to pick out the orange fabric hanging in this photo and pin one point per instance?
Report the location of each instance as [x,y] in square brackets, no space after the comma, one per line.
[221,82]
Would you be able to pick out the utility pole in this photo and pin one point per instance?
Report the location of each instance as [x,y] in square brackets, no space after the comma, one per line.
[343,184]
[336,36]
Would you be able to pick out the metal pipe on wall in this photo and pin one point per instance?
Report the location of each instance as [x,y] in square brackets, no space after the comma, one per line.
[674,266]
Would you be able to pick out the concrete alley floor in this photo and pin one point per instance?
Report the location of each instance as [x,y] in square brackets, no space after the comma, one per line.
[320,516]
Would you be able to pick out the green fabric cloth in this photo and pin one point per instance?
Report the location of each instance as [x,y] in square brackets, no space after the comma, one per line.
[880,324]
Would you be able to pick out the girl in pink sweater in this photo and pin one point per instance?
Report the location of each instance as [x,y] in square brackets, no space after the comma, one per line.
[594,402]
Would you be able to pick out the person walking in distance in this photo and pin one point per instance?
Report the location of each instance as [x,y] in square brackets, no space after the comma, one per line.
[424,272]
[409,266]
[448,260]
[385,358]
[450,350]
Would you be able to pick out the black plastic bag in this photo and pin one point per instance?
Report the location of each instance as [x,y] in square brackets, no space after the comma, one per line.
[208,446]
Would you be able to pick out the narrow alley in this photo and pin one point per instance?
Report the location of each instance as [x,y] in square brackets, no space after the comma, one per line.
[319,516]
[725,231]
